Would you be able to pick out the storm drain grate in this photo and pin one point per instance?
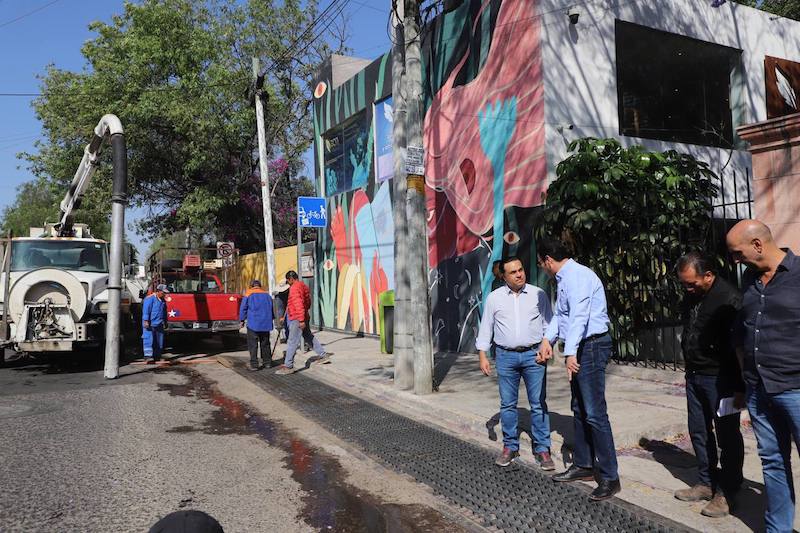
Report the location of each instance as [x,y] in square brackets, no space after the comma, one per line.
[511,499]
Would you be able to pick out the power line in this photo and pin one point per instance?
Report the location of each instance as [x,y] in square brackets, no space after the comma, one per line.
[29,13]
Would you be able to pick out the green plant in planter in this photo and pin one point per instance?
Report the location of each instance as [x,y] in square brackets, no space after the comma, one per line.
[629,214]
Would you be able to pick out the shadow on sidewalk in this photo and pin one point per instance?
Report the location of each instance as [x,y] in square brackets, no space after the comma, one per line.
[559,423]
[749,503]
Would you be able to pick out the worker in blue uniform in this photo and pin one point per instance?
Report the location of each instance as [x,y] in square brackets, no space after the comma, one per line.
[154,318]
[256,312]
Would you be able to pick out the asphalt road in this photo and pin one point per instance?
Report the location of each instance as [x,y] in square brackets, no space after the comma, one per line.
[81,453]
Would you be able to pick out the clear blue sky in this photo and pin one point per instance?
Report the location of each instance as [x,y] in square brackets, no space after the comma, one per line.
[36,33]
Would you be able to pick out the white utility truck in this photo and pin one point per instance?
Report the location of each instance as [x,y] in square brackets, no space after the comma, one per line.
[60,288]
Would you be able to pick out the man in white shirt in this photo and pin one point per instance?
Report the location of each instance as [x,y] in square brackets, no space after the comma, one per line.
[517,315]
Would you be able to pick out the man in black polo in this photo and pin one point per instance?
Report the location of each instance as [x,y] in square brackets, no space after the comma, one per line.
[712,373]
[767,342]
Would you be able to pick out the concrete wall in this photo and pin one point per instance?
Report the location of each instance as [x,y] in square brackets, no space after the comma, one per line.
[580,66]
[500,77]
[254,266]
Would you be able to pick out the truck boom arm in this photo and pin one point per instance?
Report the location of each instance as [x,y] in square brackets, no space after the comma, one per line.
[108,125]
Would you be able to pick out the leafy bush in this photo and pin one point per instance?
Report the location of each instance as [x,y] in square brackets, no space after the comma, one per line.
[629,214]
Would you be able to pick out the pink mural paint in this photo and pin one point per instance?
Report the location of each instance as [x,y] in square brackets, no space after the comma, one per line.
[451,135]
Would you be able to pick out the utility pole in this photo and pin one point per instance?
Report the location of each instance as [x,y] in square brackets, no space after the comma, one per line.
[415,203]
[403,341]
[264,174]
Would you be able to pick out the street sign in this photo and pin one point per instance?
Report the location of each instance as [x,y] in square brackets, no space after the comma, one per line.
[311,212]
[415,160]
[224,249]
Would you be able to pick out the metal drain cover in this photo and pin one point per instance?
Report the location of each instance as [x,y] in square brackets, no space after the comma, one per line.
[516,499]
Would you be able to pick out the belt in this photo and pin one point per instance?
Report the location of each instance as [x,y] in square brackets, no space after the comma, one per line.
[519,349]
[595,336]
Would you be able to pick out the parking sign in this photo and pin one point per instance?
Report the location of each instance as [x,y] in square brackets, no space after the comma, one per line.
[311,212]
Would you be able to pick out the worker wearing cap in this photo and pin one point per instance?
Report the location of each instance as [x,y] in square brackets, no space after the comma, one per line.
[154,317]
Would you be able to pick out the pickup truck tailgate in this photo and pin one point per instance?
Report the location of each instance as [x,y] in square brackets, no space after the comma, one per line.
[202,307]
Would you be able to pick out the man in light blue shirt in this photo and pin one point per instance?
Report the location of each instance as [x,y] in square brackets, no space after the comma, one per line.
[581,321]
[517,314]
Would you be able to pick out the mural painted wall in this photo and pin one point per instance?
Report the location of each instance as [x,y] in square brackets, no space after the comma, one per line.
[485,166]
[356,251]
[485,169]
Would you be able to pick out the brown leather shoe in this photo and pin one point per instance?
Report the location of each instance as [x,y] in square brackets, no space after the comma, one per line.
[717,507]
[694,494]
[507,457]
[545,461]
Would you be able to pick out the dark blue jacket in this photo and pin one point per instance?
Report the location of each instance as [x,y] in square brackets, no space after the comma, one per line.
[154,310]
[257,309]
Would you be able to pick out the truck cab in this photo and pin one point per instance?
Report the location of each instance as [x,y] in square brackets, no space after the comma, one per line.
[58,292]
[197,302]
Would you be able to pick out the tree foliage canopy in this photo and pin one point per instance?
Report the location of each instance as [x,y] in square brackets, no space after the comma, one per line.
[177,73]
[629,214]
[784,8]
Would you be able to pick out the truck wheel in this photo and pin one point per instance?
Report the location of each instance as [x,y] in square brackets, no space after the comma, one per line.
[231,342]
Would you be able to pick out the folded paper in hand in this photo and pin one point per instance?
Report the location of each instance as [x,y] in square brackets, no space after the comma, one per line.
[726,407]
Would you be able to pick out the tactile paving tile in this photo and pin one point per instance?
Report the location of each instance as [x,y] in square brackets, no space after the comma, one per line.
[517,498]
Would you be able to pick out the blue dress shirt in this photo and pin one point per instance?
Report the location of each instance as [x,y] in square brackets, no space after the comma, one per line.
[515,319]
[580,307]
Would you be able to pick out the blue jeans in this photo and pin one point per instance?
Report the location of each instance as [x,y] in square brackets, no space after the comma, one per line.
[703,394]
[776,423]
[594,442]
[153,341]
[511,366]
[295,336]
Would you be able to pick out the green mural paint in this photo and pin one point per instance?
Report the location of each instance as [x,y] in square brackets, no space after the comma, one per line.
[360,86]
[328,98]
[445,43]
[381,77]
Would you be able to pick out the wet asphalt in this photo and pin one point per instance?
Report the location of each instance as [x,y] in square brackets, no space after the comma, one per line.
[82,453]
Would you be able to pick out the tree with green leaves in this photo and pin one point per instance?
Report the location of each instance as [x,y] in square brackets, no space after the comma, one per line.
[629,213]
[784,8]
[177,73]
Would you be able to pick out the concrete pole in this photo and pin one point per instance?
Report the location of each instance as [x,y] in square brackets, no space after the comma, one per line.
[110,124]
[415,207]
[403,341]
[264,173]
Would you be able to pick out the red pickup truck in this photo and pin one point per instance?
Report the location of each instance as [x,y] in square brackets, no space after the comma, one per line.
[197,304]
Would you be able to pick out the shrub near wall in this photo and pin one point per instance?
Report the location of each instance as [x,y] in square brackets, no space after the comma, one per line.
[629,214]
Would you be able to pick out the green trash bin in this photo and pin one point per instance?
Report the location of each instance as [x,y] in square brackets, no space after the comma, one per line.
[386,320]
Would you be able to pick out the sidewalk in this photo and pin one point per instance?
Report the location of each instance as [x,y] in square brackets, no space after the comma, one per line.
[647,408]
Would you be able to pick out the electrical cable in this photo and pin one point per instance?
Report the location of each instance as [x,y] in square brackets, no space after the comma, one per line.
[28,14]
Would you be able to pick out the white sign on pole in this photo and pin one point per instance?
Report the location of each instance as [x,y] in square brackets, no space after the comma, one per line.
[224,249]
[415,160]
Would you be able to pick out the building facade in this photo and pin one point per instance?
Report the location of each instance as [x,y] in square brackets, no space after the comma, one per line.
[508,83]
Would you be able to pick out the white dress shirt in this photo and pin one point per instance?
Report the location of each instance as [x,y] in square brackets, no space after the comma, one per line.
[515,318]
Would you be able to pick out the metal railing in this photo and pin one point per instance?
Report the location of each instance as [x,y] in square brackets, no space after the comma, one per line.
[649,332]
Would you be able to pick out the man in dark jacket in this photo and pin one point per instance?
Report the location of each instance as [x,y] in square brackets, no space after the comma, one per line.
[712,373]
[256,311]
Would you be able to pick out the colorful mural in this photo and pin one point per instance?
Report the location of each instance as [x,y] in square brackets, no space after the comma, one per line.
[356,250]
[485,169]
[485,161]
